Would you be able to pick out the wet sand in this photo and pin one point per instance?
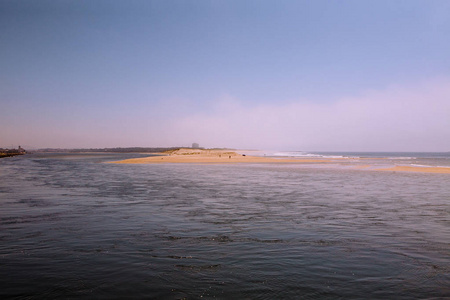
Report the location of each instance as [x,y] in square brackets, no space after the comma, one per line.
[441,170]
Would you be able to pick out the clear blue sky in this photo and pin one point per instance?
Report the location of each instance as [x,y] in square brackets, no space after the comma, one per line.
[297,75]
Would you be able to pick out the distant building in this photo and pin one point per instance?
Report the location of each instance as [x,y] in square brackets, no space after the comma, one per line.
[195,145]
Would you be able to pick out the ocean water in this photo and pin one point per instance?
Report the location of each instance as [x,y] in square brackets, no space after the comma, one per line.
[74,227]
[421,159]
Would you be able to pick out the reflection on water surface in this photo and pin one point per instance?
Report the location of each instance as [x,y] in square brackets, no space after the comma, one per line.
[72,227]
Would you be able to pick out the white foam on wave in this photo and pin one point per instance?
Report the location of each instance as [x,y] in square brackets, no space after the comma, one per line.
[428,166]
[296,154]
[304,154]
[422,166]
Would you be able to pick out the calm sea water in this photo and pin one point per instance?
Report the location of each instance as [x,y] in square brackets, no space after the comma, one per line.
[74,227]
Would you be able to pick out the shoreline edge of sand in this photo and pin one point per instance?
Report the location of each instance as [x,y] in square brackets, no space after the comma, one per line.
[221,156]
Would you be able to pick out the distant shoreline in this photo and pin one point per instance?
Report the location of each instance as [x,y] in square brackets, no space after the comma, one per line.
[107,150]
[4,155]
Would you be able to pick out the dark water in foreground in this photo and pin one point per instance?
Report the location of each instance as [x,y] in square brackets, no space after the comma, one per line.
[72,227]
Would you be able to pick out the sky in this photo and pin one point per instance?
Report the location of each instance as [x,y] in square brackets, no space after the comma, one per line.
[312,75]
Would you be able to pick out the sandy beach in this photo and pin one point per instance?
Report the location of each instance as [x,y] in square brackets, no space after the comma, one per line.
[216,156]
[228,156]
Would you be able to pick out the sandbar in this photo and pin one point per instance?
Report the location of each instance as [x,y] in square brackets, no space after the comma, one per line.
[216,156]
[441,170]
[225,156]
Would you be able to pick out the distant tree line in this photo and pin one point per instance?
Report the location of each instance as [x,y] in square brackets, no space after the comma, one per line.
[112,150]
